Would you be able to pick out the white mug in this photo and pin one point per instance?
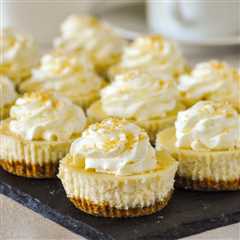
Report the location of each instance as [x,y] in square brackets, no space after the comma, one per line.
[195,21]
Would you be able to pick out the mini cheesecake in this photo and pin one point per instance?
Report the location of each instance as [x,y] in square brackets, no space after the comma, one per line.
[19,54]
[113,171]
[150,102]
[153,54]
[72,75]
[91,35]
[206,143]
[212,80]
[33,139]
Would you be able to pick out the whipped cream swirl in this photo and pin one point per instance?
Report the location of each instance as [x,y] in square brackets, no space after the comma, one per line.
[139,95]
[92,35]
[72,75]
[115,146]
[211,80]
[7,91]
[18,55]
[208,126]
[46,116]
[159,56]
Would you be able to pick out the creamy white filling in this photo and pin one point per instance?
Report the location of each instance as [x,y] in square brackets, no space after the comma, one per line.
[211,80]
[139,95]
[208,126]
[72,75]
[115,146]
[88,33]
[18,53]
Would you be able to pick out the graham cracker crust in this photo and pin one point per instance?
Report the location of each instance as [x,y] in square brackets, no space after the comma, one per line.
[48,170]
[206,184]
[105,210]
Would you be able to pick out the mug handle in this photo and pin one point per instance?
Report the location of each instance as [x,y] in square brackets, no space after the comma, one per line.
[178,14]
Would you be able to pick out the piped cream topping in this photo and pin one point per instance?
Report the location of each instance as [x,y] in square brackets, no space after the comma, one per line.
[89,34]
[46,116]
[139,95]
[115,146]
[72,75]
[212,80]
[208,126]
[159,56]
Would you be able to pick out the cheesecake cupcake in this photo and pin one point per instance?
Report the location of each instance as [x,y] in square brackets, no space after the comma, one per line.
[113,171]
[18,55]
[150,102]
[206,143]
[8,96]
[71,75]
[38,133]
[212,80]
[154,54]
[87,33]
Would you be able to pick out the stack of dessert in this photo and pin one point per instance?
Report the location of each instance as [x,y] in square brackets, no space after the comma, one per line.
[119,122]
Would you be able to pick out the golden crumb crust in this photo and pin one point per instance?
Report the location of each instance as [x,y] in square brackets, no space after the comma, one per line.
[110,195]
[104,210]
[207,184]
[47,170]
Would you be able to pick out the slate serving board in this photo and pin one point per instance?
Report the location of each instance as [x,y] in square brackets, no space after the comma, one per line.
[188,212]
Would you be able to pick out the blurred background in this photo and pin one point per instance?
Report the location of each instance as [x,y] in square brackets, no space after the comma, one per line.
[208,27]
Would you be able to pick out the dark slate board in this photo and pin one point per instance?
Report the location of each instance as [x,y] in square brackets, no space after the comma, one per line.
[188,212]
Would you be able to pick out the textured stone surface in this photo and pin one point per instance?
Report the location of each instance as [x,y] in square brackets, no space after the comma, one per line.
[187,213]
